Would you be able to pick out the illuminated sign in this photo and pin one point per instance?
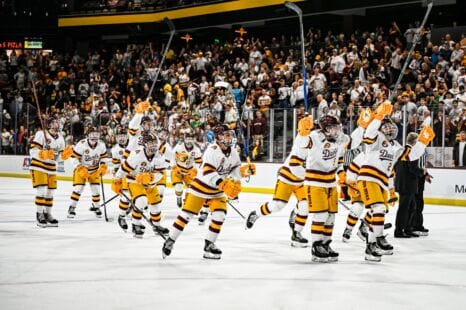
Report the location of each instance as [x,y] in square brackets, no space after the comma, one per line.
[27,43]
[11,44]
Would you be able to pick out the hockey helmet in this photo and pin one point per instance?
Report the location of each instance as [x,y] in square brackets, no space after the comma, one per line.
[330,127]
[93,135]
[189,139]
[147,123]
[223,134]
[150,143]
[52,123]
[122,137]
[389,128]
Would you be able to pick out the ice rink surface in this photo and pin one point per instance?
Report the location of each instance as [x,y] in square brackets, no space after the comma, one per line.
[87,263]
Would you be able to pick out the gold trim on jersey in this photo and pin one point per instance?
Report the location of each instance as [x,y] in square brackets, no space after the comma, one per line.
[207,168]
[354,168]
[183,170]
[286,173]
[116,161]
[52,167]
[36,145]
[132,132]
[321,176]
[76,155]
[126,167]
[203,188]
[126,153]
[369,140]
[370,171]
[405,154]
[296,161]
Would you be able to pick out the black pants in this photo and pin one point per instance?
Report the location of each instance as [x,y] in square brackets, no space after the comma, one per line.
[416,218]
[405,209]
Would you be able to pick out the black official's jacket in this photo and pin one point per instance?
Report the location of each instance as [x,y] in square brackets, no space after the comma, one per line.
[407,174]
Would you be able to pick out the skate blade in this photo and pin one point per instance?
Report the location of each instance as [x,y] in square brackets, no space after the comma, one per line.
[345,240]
[319,259]
[138,236]
[51,225]
[212,256]
[363,239]
[332,259]
[41,225]
[372,258]
[299,244]
[386,252]
[200,223]
[70,216]
[164,255]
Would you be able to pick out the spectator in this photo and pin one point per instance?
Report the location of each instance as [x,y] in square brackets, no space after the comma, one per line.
[459,151]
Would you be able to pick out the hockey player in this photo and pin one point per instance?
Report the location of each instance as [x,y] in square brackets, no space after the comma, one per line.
[183,170]
[290,181]
[140,171]
[218,178]
[382,151]
[138,126]
[323,162]
[44,151]
[89,156]
[118,152]
[165,151]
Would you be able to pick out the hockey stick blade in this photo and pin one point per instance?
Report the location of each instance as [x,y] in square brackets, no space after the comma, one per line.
[170,24]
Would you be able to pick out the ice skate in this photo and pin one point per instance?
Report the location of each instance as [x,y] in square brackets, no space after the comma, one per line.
[138,230]
[122,222]
[319,252]
[252,218]
[51,221]
[385,247]
[211,251]
[71,212]
[362,231]
[167,247]
[41,221]
[373,253]
[347,235]
[96,210]
[202,218]
[298,241]
[332,255]
[160,230]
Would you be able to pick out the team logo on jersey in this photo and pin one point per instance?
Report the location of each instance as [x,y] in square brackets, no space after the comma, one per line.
[385,155]
[385,143]
[86,152]
[329,154]
[120,152]
[143,164]
[327,145]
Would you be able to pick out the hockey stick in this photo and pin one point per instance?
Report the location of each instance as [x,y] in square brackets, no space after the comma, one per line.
[108,201]
[143,215]
[172,33]
[107,219]
[299,12]
[344,204]
[237,211]
[416,38]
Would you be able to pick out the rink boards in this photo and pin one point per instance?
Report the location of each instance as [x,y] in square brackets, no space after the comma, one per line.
[448,186]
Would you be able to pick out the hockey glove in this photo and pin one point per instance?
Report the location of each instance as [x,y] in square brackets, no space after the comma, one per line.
[46,155]
[247,170]
[117,186]
[182,157]
[142,107]
[145,178]
[365,118]
[82,172]
[230,187]
[305,126]
[342,178]
[67,152]
[426,135]
[383,110]
[103,169]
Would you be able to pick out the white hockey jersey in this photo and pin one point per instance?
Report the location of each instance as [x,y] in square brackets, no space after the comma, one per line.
[381,155]
[41,142]
[194,156]
[293,170]
[89,156]
[323,161]
[352,172]
[138,162]
[134,134]
[215,167]
[118,153]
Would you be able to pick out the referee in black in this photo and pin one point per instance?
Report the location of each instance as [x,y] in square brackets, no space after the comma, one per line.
[416,220]
[407,176]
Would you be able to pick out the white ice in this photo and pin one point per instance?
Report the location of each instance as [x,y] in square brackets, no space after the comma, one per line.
[87,263]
